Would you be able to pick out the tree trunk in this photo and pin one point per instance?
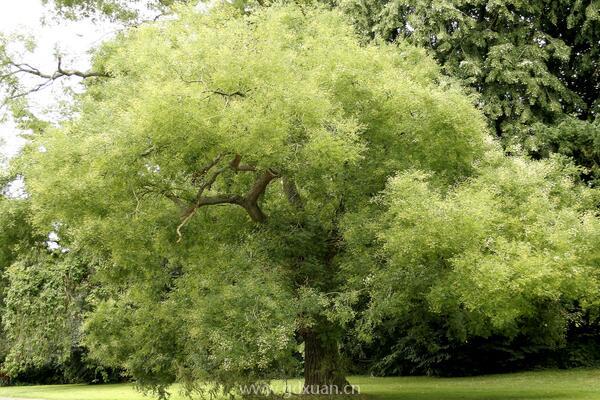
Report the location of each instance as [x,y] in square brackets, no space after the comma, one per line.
[322,366]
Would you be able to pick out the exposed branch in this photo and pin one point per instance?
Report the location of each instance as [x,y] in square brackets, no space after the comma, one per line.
[206,201]
[236,166]
[249,201]
[71,72]
[13,69]
[59,73]
[226,199]
[251,198]
[220,92]
[260,185]
[196,176]
[225,94]
[14,94]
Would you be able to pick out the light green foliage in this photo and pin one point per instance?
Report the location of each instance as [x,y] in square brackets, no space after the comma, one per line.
[515,242]
[286,93]
[16,234]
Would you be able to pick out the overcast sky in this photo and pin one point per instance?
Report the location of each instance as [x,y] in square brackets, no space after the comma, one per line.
[74,39]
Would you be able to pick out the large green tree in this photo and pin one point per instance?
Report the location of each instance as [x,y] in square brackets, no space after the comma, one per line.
[253,183]
[225,150]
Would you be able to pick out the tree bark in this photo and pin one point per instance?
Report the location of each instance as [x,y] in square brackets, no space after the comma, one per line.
[322,366]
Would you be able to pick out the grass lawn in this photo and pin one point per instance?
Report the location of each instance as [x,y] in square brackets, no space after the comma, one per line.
[583,384]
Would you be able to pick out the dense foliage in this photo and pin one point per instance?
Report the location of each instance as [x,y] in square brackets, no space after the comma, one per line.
[510,254]
[14,236]
[534,63]
[44,295]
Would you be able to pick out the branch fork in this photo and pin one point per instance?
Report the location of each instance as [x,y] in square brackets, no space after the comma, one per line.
[248,201]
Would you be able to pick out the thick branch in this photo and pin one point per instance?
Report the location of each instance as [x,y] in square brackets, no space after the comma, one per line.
[260,185]
[249,201]
[236,166]
[224,199]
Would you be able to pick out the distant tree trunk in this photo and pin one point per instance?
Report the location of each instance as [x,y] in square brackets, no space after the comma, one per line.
[322,365]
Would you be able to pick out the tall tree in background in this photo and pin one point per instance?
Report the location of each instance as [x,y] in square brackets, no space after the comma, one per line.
[536,64]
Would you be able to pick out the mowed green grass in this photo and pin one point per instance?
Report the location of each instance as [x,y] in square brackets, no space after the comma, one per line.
[581,384]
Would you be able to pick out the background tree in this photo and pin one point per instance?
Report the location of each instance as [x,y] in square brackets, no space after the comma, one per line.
[15,235]
[47,296]
[534,63]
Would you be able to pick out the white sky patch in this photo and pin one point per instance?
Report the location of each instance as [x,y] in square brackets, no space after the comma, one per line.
[73,39]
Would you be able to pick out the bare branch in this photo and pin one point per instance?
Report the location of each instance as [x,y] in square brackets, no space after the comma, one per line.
[12,69]
[15,95]
[257,190]
[225,94]
[223,199]
[205,201]
[59,73]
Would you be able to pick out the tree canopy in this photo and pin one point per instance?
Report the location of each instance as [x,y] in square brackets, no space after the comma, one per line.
[281,117]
